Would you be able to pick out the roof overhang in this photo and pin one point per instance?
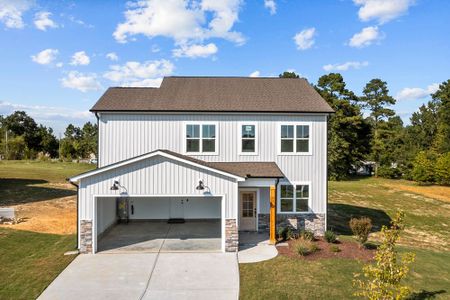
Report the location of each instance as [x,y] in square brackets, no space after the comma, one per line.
[77,178]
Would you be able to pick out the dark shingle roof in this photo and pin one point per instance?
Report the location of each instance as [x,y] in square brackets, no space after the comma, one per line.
[255,169]
[241,169]
[217,94]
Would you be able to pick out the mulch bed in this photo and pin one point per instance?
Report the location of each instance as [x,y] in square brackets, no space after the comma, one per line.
[349,249]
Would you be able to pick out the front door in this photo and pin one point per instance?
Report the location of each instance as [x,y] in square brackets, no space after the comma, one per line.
[247,211]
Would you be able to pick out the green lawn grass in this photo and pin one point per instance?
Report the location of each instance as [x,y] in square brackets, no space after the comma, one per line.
[427,235]
[29,261]
[288,278]
[31,181]
[41,170]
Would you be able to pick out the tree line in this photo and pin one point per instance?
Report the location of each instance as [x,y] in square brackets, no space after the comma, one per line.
[419,151]
[363,128]
[22,138]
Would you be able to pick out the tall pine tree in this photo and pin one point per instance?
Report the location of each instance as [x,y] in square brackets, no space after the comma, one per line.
[348,133]
[376,100]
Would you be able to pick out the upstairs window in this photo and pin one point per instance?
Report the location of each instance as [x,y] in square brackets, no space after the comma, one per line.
[295,139]
[201,138]
[248,136]
[294,198]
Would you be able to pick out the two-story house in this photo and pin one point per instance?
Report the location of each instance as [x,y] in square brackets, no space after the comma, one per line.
[231,153]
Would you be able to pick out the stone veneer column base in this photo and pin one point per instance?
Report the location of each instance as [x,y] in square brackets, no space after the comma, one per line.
[310,221]
[263,222]
[231,235]
[86,236]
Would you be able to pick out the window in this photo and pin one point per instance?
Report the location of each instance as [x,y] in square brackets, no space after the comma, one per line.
[193,138]
[301,198]
[248,142]
[201,138]
[294,138]
[294,198]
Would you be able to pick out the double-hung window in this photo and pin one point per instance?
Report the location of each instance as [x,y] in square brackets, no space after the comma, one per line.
[295,139]
[248,138]
[294,198]
[201,138]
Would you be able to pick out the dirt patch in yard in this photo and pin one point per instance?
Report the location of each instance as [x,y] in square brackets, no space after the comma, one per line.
[348,249]
[436,192]
[57,216]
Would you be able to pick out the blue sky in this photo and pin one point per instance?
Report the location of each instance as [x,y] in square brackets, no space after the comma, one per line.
[57,58]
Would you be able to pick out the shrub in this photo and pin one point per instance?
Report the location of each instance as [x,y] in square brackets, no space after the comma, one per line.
[389,172]
[282,233]
[305,247]
[423,167]
[361,228]
[285,233]
[330,236]
[383,279]
[290,235]
[335,249]
[307,235]
[443,169]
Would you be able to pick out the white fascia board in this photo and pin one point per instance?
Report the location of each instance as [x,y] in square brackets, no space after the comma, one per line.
[150,155]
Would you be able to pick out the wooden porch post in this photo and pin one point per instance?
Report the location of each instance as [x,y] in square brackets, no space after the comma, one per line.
[272,215]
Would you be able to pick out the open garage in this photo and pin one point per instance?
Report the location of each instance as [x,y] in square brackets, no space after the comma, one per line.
[158,224]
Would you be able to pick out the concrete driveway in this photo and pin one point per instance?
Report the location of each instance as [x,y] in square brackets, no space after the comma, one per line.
[148,276]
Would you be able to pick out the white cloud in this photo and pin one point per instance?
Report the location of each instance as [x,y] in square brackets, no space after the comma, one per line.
[42,21]
[59,65]
[417,93]
[80,58]
[82,82]
[271,5]
[305,38]
[79,22]
[382,10]
[366,37]
[181,20]
[42,111]
[346,66]
[112,56]
[255,74]
[194,51]
[134,73]
[11,12]
[55,117]
[45,57]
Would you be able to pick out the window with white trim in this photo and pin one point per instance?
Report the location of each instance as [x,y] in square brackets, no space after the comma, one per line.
[201,138]
[294,198]
[294,138]
[248,138]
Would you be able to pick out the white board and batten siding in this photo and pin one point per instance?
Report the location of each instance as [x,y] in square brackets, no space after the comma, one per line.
[133,134]
[158,176]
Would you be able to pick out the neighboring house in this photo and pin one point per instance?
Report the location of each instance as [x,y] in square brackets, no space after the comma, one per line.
[250,152]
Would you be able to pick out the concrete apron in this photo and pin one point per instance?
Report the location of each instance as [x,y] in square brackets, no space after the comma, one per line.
[254,247]
[148,276]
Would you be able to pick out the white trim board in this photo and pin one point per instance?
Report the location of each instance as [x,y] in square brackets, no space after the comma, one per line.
[150,155]
[94,214]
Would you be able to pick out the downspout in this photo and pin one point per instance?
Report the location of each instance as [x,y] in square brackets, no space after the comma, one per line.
[276,204]
[78,221]
[98,137]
